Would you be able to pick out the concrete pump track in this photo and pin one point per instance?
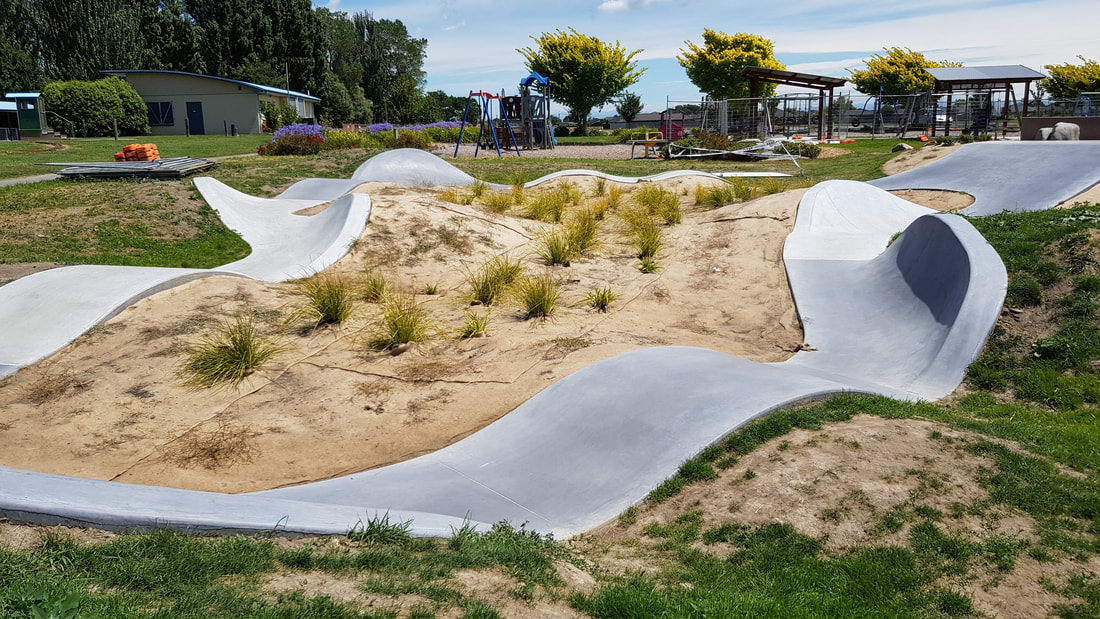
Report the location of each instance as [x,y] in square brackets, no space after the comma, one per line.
[901,319]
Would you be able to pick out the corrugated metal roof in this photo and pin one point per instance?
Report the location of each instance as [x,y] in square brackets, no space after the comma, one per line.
[271,90]
[994,73]
[23,95]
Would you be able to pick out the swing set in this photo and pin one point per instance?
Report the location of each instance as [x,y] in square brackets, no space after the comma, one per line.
[487,120]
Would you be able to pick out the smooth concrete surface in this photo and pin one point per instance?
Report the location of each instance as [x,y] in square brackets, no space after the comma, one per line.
[1008,175]
[44,312]
[908,318]
[900,321]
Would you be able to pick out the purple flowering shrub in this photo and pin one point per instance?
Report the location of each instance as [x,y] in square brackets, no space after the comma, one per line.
[299,129]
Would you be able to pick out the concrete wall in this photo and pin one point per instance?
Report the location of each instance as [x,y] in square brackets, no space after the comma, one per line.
[1090,125]
[223,103]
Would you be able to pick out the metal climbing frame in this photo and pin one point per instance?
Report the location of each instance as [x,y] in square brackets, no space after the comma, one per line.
[486,120]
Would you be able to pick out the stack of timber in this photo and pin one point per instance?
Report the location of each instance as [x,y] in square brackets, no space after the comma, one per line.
[172,167]
[138,152]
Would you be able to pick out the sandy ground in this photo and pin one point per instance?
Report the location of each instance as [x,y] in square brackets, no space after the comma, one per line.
[110,406]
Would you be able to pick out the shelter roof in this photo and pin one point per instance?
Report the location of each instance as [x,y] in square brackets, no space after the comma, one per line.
[963,77]
[258,88]
[791,78]
[22,95]
[7,106]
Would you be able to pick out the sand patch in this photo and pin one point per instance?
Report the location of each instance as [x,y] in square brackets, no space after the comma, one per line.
[109,406]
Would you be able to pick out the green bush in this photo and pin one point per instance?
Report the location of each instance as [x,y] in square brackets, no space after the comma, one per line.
[407,139]
[808,150]
[92,107]
[276,116]
[944,140]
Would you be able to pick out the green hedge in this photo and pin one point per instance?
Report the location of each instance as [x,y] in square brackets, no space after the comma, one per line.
[92,107]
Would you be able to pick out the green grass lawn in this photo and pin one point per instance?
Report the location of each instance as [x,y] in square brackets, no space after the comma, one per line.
[1029,414]
[19,158]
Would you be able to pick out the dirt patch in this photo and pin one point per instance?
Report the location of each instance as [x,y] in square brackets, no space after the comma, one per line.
[109,406]
[917,157]
[340,589]
[945,201]
[828,152]
[12,272]
[853,484]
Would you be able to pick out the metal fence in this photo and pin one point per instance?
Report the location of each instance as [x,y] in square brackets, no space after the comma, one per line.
[857,115]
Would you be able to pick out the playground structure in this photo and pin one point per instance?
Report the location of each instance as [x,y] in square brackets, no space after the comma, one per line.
[520,121]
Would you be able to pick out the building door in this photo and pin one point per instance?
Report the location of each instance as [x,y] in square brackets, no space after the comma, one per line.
[194,117]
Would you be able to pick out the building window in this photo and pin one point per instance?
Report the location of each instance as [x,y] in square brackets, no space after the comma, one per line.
[160,114]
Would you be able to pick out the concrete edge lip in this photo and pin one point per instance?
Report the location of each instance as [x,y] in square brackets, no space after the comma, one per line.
[611,445]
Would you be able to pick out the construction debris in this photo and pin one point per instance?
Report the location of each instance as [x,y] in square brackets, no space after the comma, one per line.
[173,167]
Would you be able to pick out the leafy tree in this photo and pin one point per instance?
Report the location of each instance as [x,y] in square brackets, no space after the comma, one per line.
[335,106]
[76,39]
[584,72]
[392,63]
[93,106]
[899,72]
[18,70]
[1067,81]
[361,110]
[268,42]
[629,106]
[452,108]
[716,66]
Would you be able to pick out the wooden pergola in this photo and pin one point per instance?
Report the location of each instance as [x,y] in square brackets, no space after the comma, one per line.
[955,79]
[821,83]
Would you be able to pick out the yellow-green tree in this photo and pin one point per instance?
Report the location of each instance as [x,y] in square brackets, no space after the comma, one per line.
[1066,81]
[716,66]
[899,72]
[584,72]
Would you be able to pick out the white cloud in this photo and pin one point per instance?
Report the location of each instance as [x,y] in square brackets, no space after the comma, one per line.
[459,26]
[615,6]
[332,4]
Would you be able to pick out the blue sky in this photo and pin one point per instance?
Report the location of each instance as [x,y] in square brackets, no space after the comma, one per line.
[472,43]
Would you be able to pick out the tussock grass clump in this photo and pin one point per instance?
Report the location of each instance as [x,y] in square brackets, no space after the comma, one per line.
[330,298]
[556,248]
[547,206]
[660,202]
[227,355]
[601,187]
[489,280]
[599,208]
[743,190]
[474,325]
[499,201]
[374,287]
[581,230]
[403,320]
[478,189]
[431,288]
[614,197]
[771,186]
[717,196]
[648,265]
[601,298]
[455,195]
[539,294]
[517,180]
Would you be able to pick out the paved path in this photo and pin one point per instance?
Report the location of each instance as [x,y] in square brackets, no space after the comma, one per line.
[902,321]
[1008,175]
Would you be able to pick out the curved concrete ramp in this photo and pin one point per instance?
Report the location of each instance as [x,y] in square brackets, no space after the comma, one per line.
[44,312]
[412,167]
[1008,175]
[903,322]
[284,245]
